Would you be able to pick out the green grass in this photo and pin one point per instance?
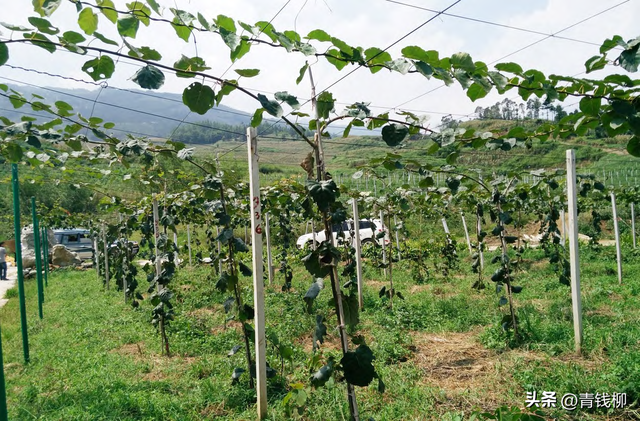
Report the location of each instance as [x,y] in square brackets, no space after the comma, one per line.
[92,357]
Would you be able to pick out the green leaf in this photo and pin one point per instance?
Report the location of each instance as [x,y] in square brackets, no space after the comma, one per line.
[149,77]
[239,245]
[322,376]
[350,309]
[145,53]
[590,106]
[325,104]
[140,11]
[393,134]
[225,22]
[16,28]
[612,43]
[319,332]
[235,376]
[270,106]
[323,193]
[320,35]
[595,63]
[633,146]
[45,7]
[43,25]
[358,366]
[314,267]
[417,53]
[285,41]
[128,26]
[629,59]
[307,49]
[12,151]
[257,117]
[291,100]
[499,81]
[476,91]
[332,57]
[108,10]
[227,87]
[99,68]
[34,141]
[4,53]
[104,39]
[463,61]
[183,32]
[244,269]
[303,70]
[267,29]
[376,58]
[248,72]
[230,38]
[312,294]
[154,5]
[399,65]
[198,97]
[73,37]
[452,158]
[242,49]
[41,41]
[342,46]
[509,68]
[88,21]
[203,21]
[186,64]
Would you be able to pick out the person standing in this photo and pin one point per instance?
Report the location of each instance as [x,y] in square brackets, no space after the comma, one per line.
[3,263]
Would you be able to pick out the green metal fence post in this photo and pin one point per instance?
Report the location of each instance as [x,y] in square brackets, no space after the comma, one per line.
[45,255]
[36,241]
[3,390]
[17,231]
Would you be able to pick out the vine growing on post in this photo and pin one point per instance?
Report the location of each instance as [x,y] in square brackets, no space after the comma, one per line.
[222,208]
[285,201]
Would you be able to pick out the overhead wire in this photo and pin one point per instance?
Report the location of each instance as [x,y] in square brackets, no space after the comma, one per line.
[382,51]
[522,49]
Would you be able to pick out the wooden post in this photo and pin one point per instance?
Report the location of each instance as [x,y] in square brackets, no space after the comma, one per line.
[445,226]
[106,256]
[269,256]
[574,251]
[617,233]
[219,251]
[466,233]
[124,261]
[395,221]
[97,254]
[356,228]
[313,233]
[258,282]
[156,236]
[176,254]
[384,248]
[633,225]
[189,243]
[563,237]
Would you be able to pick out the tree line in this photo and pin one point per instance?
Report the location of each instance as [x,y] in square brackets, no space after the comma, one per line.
[508,109]
[209,132]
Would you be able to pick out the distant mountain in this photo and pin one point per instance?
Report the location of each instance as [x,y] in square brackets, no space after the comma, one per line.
[154,114]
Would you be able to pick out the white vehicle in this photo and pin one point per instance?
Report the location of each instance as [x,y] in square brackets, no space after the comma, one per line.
[369,231]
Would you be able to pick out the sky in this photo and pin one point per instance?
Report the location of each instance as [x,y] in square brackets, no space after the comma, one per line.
[365,23]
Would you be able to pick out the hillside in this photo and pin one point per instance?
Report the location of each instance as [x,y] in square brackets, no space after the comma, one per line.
[155,114]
